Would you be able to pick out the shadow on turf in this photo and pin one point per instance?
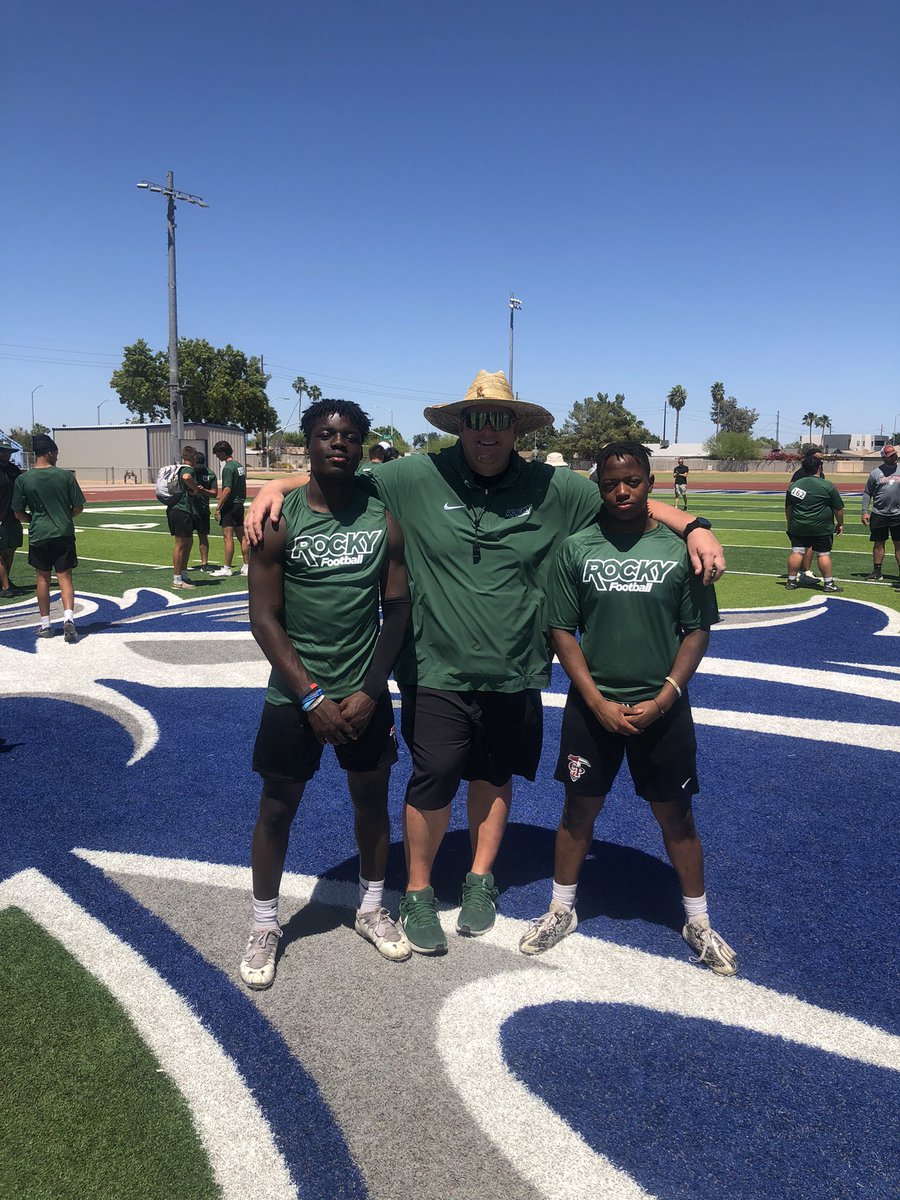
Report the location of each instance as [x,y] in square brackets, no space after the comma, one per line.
[618,882]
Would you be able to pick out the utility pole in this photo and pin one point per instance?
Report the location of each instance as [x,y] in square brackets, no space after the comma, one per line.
[514,304]
[777,430]
[176,409]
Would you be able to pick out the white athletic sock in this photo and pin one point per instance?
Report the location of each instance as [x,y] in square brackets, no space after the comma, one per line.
[265,914]
[792,578]
[694,906]
[68,614]
[370,894]
[828,579]
[45,622]
[564,894]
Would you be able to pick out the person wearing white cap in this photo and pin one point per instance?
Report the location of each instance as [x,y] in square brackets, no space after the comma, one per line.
[882,491]
[481,525]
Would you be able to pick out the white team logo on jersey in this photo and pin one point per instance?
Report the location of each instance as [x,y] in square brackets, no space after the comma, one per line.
[577,766]
[335,549]
[627,575]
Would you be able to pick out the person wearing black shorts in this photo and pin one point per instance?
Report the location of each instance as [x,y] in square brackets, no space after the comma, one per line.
[645,621]
[316,582]
[48,499]
[882,491]
[230,507]
[814,512]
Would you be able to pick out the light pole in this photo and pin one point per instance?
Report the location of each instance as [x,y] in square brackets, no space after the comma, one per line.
[176,411]
[513,305]
[33,390]
[100,405]
[390,413]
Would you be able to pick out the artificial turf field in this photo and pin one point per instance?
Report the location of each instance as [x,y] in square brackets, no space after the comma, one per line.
[134,1065]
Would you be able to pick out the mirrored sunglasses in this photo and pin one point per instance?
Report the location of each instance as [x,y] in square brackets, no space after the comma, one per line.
[478,419]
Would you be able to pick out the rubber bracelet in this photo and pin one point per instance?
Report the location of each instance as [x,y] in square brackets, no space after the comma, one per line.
[310,698]
[313,687]
[669,679]
[314,703]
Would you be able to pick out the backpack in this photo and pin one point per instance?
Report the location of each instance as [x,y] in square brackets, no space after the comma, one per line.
[169,487]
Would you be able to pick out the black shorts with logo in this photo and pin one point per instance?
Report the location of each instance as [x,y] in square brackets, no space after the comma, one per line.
[56,554]
[662,760]
[287,749]
[468,735]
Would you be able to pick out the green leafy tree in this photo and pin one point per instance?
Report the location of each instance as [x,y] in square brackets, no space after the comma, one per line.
[142,382]
[382,433]
[595,421]
[736,419]
[717,393]
[677,398]
[734,447]
[432,442]
[24,436]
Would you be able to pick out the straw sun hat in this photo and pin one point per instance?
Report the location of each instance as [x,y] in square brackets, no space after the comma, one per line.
[495,389]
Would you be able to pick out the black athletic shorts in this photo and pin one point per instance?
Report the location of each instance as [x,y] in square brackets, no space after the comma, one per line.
[56,554]
[287,749]
[11,534]
[662,759]
[232,517]
[181,522]
[810,541]
[201,521]
[882,527]
[468,735]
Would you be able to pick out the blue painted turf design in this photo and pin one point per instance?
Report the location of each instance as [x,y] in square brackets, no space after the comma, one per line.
[801,846]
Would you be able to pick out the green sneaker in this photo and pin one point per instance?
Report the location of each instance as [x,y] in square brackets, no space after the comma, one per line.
[479,905]
[418,916]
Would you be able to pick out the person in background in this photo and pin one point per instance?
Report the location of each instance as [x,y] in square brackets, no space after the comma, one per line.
[10,526]
[48,500]
[230,508]
[181,517]
[812,458]
[207,489]
[814,512]
[681,480]
[882,491]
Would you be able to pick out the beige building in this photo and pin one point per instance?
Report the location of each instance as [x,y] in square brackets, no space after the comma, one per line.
[134,453]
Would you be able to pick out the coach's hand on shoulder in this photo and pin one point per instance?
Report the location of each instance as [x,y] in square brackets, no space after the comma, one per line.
[707,555]
[266,503]
[328,724]
[357,710]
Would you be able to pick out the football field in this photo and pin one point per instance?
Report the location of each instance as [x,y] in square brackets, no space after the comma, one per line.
[135,1064]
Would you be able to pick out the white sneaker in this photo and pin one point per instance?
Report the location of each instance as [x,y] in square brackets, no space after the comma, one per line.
[182,583]
[245,569]
[385,934]
[258,963]
[712,949]
[222,573]
[546,931]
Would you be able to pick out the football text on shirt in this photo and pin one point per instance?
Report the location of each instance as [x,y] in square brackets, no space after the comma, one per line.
[334,549]
[626,575]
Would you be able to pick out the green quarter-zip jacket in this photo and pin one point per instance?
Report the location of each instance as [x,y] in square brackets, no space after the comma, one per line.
[478,559]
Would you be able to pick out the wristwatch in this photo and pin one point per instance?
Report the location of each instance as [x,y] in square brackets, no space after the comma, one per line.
[697,523]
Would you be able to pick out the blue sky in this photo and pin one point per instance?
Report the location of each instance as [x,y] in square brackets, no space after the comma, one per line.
[678,193]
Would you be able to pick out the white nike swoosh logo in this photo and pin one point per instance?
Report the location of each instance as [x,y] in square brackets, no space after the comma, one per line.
[448,507]
[686,782]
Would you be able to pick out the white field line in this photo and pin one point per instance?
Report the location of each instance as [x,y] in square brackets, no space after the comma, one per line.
[236,1136]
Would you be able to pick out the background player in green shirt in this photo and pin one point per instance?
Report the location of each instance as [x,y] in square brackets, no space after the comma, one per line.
[315,583]
[480,525]
[626,584]
[207,489]
[230,508]
[182,519]
[814,512]
[49,499]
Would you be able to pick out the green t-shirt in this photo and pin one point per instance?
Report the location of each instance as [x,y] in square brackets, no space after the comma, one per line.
[332,569]
[633,598]
[207,479]
[478,559]
[813,502]
[49,494]
[187,502]
[233,477]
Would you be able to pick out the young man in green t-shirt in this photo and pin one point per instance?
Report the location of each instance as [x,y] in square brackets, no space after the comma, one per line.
[207,489]
[644,617]
[315,585]
[230,508]
[814,512]
[48,499]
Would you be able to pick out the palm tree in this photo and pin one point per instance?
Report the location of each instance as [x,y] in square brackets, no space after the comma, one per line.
[717,391]
[300,386]
[809,419]
[823,422]
[677,399]
[314,393]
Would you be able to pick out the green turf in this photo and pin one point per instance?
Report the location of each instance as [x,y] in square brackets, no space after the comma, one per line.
[86,1110]
[750,526]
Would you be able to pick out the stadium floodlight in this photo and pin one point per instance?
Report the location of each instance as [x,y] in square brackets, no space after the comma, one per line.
[176,408]
[514,304]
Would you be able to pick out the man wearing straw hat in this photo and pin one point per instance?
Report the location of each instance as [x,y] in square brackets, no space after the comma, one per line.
[481,525]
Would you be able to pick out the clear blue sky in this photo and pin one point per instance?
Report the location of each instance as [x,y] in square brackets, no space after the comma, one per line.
[678,193]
